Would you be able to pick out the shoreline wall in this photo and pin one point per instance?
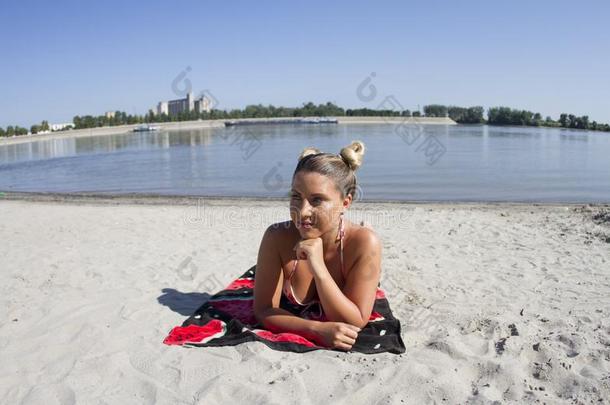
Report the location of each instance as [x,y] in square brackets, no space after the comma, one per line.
[186,125]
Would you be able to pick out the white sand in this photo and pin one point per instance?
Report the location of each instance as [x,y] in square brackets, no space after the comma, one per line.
[90,290]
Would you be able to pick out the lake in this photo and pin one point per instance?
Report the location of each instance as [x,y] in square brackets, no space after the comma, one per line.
[414,163]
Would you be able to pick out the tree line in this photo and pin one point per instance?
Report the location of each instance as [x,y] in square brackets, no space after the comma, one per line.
[17,130]
[509,116]
[461,115]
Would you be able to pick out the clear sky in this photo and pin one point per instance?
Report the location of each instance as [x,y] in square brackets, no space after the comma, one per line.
[66,58]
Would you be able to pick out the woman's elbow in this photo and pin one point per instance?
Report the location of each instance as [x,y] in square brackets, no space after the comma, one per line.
[364,319]
[260,314]
[362,323]
[263,319]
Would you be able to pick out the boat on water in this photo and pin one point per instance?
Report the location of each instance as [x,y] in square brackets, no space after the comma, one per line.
[146,128]
[319,120]
[273,121]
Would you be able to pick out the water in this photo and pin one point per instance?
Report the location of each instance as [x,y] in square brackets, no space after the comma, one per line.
[481,163]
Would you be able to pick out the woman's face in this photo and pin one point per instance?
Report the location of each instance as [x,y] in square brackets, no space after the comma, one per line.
[315,204]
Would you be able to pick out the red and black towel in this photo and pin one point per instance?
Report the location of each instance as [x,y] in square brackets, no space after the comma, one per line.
[227,319]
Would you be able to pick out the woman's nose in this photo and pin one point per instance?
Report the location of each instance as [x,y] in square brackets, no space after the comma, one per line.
[305,209]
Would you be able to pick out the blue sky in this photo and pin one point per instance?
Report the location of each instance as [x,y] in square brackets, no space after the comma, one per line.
[66,58]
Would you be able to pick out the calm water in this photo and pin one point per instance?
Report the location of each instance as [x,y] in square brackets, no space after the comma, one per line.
[480,163]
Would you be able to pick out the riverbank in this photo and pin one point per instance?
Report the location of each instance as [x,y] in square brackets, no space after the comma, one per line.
[498,302]
[202,124]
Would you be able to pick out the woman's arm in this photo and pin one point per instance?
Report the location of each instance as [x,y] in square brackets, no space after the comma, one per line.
[268,283]
[355,303]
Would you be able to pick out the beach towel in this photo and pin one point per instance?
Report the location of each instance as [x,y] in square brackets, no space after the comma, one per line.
[227,319]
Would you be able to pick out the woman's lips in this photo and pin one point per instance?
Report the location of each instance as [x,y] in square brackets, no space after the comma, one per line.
[306,225]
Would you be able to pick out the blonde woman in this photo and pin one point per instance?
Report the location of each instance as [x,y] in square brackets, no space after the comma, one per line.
[316,281]
[319,257]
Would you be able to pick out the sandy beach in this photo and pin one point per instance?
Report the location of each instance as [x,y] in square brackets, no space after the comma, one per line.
[498,302]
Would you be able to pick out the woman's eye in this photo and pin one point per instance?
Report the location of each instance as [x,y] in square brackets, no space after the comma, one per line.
[317,200]
[295,197]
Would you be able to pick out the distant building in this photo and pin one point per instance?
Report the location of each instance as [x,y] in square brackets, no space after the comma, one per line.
[110,114]
[187,104]
[180,105]
[202,104]
[162,108]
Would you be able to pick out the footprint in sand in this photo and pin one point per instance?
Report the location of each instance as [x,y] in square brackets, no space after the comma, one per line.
[146,362]
[281,374]
[571,346]
[447,348]
[50,394]
[141,391]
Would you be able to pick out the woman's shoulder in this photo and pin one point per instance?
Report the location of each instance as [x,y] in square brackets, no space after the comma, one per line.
[363,237]
[281,227]
[364,230]
[278,239]
[281,231]
[363,245]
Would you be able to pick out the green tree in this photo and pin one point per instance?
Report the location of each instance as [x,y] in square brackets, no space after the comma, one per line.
[571,121]
[458,114]
[499,116]
[537,120]
[435,110]
[470,115]
[584,122]
[508,116]
[20,130]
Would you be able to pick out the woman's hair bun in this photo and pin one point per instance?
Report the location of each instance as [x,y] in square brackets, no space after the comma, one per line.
[308,151]
[352,154]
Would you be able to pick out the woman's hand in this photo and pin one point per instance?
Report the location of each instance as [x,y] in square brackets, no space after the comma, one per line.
[337,335]
[311,250]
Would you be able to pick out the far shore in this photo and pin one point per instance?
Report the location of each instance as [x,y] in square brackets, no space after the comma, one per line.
[200,124]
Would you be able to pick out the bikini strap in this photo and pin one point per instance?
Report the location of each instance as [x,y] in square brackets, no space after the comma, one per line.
[341,236]
[342,266]
[296,261]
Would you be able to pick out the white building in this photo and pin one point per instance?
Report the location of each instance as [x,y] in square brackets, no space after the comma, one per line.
[162,108]
[187,104]
[202,104]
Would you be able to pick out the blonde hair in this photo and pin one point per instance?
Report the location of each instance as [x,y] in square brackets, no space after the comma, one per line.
[340,168]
